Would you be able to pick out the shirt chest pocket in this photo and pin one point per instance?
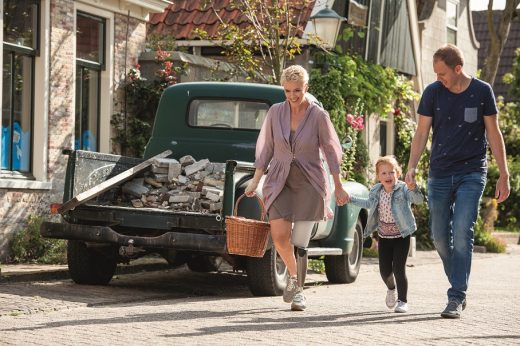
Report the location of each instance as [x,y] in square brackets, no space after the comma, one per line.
[470,114]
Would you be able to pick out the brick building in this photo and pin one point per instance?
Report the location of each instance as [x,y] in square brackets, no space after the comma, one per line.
[63,62]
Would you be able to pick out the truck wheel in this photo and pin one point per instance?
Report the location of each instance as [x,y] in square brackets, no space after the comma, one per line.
[344,269]
[266,275]
[91,266]
[204,264]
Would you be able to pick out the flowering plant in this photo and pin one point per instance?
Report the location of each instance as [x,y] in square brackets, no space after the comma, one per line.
[133,124]
[355,122]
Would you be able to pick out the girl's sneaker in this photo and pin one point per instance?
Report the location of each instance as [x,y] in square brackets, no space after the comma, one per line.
[391,297]
[401,306]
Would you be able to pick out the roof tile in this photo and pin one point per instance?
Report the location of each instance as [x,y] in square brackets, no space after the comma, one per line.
[182,17]
[508,53]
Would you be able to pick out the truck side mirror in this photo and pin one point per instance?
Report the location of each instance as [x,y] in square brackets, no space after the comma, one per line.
[346,143]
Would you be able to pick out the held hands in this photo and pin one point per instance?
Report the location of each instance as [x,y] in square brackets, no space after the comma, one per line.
[409,179]
[342,196]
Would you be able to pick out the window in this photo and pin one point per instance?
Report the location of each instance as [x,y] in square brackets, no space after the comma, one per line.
[20,48]
[227,114]
[452,10]
[90,61]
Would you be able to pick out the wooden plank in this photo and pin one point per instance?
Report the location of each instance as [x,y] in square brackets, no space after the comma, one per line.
[108,184]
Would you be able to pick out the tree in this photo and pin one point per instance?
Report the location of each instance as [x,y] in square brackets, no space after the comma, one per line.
[270,37]
[498,37]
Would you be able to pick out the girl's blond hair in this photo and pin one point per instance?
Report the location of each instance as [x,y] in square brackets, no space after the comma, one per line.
[389,160]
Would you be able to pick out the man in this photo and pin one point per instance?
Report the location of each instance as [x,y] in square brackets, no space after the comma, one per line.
[462,113]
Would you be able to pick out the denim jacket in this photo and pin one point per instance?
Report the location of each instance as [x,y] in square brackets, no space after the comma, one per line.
[402,200]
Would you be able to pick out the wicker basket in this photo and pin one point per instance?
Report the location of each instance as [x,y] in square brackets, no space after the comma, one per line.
[247,237]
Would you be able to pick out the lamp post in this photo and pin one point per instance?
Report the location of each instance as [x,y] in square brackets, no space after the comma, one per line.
[326,26]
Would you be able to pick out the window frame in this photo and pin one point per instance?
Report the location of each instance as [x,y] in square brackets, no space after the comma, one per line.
[92,66]
[14,51]
[107,69]
[450,27]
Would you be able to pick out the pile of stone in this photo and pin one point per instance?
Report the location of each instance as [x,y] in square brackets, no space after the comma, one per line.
[183,185]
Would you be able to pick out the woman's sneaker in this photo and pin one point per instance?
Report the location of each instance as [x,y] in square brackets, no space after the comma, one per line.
[299,302]
[401,306]
[391,297]
[290,289]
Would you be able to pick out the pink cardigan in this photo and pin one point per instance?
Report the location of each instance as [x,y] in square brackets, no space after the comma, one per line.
[274,150]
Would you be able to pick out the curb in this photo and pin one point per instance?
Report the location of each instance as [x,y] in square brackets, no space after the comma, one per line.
[63,274]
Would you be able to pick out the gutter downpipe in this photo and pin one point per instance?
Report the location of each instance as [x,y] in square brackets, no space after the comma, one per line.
[416,42]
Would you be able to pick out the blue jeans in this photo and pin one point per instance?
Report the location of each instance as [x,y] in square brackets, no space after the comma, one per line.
[454,204]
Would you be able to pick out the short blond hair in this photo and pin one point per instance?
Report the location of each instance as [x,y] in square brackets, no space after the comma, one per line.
[294,73]
[389,160]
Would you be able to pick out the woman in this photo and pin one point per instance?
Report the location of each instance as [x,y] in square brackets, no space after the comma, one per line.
[296,186]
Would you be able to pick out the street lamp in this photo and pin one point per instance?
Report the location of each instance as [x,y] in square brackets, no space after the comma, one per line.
[326,26]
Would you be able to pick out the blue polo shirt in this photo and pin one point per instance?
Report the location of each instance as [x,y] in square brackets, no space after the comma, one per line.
[458,141]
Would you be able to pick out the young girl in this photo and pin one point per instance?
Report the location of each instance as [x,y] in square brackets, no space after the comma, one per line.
[391,215]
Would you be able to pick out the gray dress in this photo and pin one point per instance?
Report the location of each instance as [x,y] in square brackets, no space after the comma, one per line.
[298,200]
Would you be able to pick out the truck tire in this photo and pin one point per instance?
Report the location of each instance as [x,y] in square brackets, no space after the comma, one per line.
[91,266]
[204,264]
[344,269]
[266,276]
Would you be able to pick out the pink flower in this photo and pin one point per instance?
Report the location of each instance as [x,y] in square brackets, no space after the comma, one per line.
[161,55]
[350,118]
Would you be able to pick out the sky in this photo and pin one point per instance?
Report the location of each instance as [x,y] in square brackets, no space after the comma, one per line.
[479,5]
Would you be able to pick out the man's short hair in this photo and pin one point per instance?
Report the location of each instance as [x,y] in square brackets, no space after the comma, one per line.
[450,54]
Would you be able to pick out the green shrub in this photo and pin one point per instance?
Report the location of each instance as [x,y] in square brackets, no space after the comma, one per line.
[28,246]
[317,265]
[509,210]
[370,252]
[495,245]
[484,238]
[422,219]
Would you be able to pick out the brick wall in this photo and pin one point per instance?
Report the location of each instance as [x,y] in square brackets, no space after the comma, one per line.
[136,31]
[17,205]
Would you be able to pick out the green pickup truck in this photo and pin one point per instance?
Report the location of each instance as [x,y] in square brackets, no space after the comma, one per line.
[207,120]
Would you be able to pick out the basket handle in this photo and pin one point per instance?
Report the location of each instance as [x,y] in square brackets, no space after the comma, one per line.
[235,211]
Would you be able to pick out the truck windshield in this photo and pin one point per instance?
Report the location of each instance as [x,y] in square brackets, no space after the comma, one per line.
[236,114]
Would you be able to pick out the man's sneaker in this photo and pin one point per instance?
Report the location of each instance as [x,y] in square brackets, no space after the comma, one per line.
[464,305]
[290,289]
[391,297]
[299,302]
[401,306]
[453,309]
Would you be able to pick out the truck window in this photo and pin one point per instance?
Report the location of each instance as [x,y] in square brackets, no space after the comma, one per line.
[236,114]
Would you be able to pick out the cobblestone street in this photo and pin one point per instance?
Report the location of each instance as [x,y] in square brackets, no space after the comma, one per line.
[180,307]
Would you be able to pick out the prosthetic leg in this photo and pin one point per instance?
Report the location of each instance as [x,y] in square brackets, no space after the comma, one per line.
[301,236]
[301,265]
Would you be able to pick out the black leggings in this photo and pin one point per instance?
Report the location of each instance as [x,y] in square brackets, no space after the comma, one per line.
[393,253]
